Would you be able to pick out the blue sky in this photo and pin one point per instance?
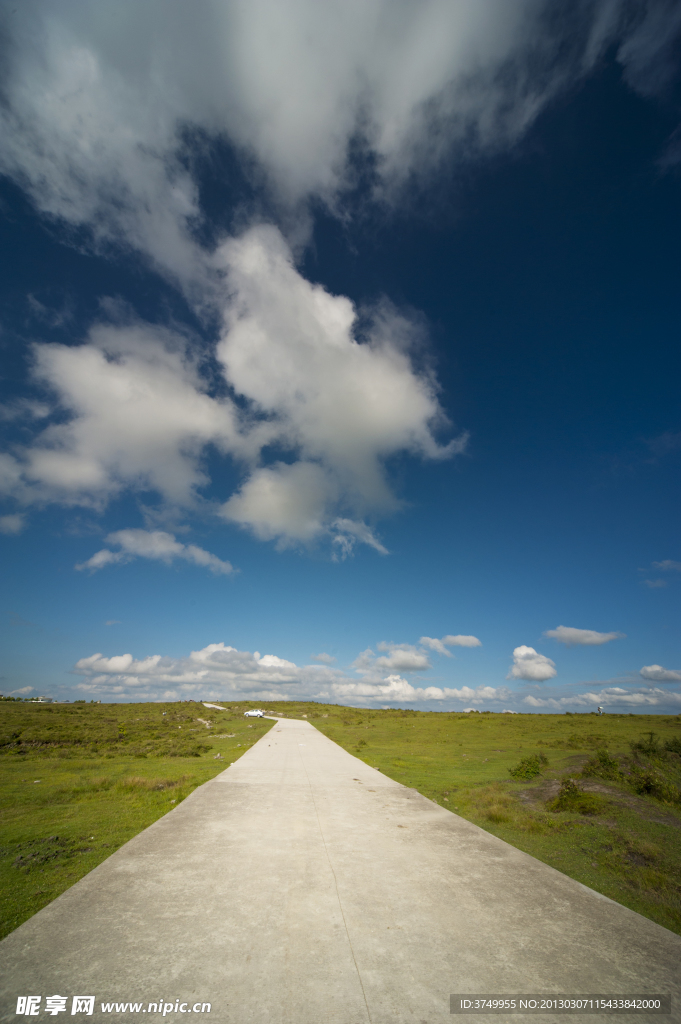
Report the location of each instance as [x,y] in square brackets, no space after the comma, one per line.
[340,353]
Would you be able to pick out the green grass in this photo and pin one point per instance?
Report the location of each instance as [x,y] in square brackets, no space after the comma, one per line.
[614,824]
[77,781]
[596,797]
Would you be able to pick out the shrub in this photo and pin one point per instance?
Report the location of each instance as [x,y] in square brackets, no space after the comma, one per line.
[648,781]
[650,746]
[529,767]
[674,745]
[572,798]
[602,765]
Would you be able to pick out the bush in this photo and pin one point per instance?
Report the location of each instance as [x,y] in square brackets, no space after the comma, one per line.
[648,781]
[572,798]
[650,746]
[673,745]
[529,767]
[602,765]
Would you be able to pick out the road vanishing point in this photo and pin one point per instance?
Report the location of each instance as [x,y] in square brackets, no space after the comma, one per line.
[302,886]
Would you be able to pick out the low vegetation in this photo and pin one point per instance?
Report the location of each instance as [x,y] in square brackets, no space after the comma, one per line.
[597,797]
[79,780]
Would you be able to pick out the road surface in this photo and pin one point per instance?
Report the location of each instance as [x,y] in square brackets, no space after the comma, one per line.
[302,886]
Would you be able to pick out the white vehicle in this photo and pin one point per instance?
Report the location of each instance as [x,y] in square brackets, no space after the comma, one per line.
[254,713]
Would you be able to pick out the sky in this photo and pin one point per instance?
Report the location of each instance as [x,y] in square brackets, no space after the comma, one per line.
[340,352]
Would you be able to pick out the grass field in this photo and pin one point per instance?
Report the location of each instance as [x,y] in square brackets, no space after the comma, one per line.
[77,781]
[597,797]
[610,820]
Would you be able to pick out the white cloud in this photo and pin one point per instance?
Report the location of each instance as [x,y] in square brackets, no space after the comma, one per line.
[94,113]
[348,532]
[614,695]
[658,674]
[12,524]
[449,641]
[608,696]
[138,414]
[288,502]
[668,565]
[219,670]
[540,702]
[399,658]
[461,641]
[571,637]
[528,664]
[394,688]
[326,659]
[95,120]
[655,584]
[435,645]
[215,668]
[289,347]
[112,622]
[154,544]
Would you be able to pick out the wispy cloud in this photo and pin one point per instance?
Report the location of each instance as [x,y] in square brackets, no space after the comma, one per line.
[12,524]
[572,637]
[449,641]
[158,546]
[97,136]
[324,658]
[609,696]
[666,565]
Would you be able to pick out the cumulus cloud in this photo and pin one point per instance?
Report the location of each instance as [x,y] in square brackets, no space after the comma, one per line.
[157,545]
[220,670]
[326,659]
[399,658]
[291,349]
[655,584]
[449,641]
[101,128]
[138,414]
[435,645]
[572,637]
[658,674]
[217,666]
[395,688]
[609,696]
[528,664]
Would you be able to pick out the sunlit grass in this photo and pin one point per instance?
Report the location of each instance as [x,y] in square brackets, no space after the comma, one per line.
[108,771]
[78,781]
[615,828]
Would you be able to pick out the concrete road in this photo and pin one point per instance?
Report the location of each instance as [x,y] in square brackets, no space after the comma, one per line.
[303,887]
